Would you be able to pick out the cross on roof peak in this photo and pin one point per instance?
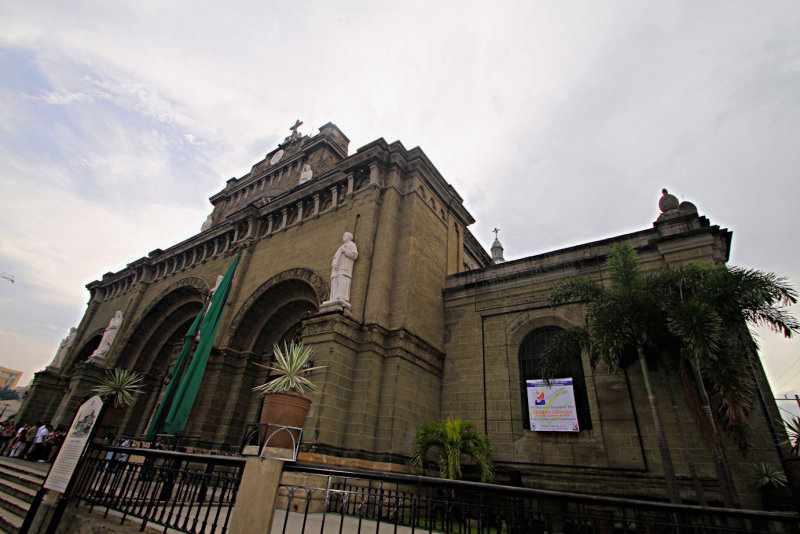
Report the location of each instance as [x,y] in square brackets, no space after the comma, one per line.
[297,125]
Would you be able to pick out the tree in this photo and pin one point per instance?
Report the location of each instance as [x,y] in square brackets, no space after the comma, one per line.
[453,438]
[708,309]
[694,317]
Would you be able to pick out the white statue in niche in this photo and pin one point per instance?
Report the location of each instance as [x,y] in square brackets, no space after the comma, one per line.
[342,270]
[108,338]
[66,343]
[307,174]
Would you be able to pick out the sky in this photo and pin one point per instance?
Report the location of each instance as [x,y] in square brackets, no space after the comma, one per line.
[557,122]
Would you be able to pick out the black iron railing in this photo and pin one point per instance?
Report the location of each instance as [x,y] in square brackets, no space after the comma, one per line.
[192,493]
[363,501]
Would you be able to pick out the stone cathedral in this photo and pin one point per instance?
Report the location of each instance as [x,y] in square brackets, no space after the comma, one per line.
[433,326]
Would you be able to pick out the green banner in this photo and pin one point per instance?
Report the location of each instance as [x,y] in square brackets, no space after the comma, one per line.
[181,405]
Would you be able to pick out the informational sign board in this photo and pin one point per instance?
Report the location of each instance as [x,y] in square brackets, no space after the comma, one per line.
[551,407]
[74,444]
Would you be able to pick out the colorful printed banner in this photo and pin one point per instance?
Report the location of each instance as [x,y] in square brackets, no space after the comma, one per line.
[551,408]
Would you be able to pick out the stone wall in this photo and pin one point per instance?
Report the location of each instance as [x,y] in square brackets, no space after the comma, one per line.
[488,313]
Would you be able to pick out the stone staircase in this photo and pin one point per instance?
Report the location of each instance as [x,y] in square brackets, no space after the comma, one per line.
[19,481]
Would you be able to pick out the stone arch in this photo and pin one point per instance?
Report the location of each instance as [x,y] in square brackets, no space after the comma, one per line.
[155,341]
[274,313]
[86,350]
[527,322]
[528,354]
[161,321]
[293,284]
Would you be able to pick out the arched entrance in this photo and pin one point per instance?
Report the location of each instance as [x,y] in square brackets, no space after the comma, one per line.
[154,346]
[273,314]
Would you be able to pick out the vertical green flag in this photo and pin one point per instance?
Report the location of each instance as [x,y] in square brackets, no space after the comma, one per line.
[185,395]
[177,374]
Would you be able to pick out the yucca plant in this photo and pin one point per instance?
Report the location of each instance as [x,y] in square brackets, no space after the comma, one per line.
[121,385]
[292,364]
[769,475]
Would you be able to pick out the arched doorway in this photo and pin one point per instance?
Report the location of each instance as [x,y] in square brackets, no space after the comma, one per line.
[273,315]
[153,347]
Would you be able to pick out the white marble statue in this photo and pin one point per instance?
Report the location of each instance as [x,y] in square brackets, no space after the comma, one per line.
[306,174]
[342,272]
[66,343]
[206,225]
[216,286]
[108,338]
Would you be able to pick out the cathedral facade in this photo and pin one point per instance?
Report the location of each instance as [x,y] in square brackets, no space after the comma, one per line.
[432,326]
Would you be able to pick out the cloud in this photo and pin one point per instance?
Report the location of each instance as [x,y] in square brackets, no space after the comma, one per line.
[559,123]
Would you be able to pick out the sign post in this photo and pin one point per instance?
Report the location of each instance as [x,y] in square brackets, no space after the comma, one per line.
[61,474]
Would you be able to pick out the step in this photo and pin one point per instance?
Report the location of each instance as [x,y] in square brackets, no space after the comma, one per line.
[33,469]
[12,504]
[20,479]
[19,491]
[10,522]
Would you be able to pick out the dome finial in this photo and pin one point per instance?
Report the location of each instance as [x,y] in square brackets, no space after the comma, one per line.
[497,248]
[667,202]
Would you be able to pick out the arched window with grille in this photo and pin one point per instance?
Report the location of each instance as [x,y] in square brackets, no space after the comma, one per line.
[529,352]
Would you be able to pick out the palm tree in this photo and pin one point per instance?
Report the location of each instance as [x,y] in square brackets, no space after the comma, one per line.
[695,316]
[617,326]
[708,309]
[453,438]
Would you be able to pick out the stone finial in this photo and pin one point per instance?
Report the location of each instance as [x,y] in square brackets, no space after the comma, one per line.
[667,202]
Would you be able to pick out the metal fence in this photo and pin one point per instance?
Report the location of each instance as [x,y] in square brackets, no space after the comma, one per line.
[368,502]
[192,493]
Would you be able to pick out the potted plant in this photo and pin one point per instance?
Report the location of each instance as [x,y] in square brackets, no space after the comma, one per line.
[285,400]
[771,480]
[117,389]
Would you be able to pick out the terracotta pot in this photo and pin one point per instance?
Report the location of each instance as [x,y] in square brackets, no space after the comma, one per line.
[284,409]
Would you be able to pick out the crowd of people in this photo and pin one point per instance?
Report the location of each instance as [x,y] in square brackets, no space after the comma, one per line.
[35,443]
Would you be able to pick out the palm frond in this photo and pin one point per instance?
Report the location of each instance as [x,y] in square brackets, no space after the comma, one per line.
[623,268]
[564,346]
[698,326]
[793,430]
[454,437]
[575,290]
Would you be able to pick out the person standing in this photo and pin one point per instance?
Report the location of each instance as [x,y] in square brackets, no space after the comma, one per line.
[37,449]
[20,442]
